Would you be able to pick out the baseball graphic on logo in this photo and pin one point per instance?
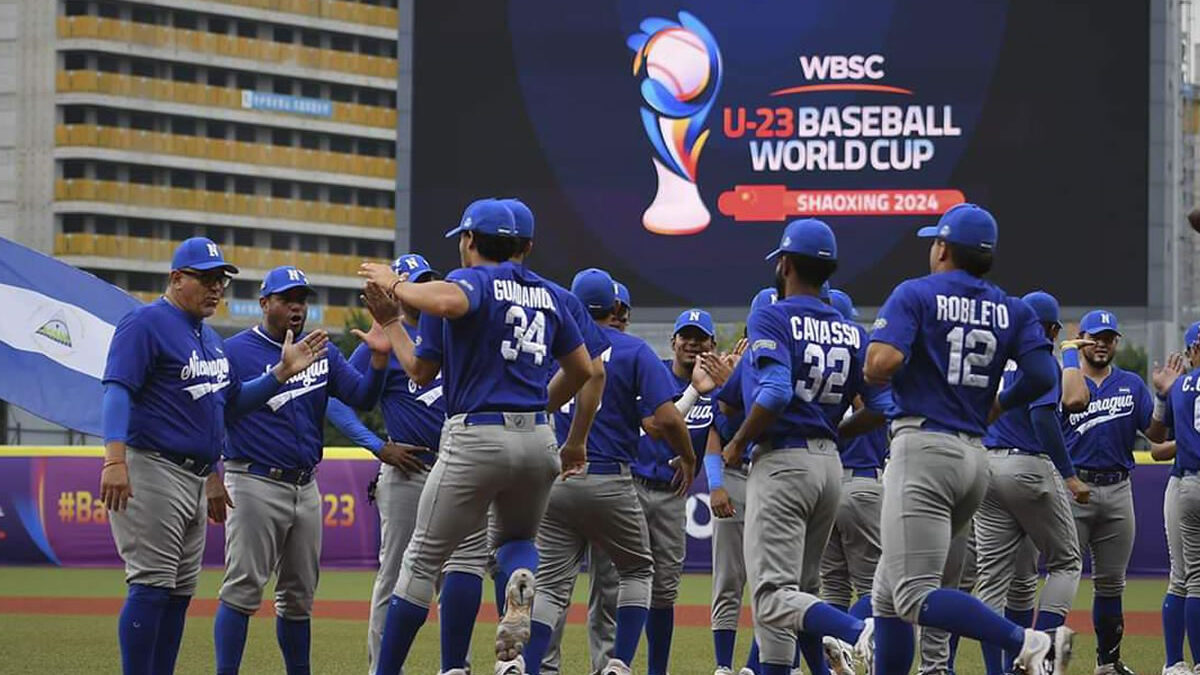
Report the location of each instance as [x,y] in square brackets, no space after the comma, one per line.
[678,60]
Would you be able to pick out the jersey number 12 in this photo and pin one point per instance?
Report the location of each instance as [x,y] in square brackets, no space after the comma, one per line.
[966,356]
[528,336]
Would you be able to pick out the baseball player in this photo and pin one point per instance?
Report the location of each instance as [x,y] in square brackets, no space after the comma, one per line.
[1176,510]
[942,341]
[167,389]
[1026,499]
[939,648]
[1100,440]
[598,505]
[727,500]
[848,565]
[500,327]
[413,416]
[806,363]
[270,473]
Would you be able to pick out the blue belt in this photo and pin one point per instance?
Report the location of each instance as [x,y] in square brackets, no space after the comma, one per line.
[187,463]
[427,458]
[872,472]
[785,442]
[605,468]
[476,419]
[655,484]
[1103,477]
[1018,451]
[291,476]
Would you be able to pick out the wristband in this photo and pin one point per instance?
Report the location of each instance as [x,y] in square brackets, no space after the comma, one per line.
[392,288]
[1070,357]
[390,321]
[714,467]
[1160,409]
[687,400]
[112,462]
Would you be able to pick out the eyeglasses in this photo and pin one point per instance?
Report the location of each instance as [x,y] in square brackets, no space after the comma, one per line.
[209,279]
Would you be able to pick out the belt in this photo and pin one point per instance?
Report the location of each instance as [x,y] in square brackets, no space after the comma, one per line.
[654,484]
[477,419]
[292,476]
[1016,451]
[427,458]
[872,473]
[1102,478]
[607,468]
[787,442]
[187,463]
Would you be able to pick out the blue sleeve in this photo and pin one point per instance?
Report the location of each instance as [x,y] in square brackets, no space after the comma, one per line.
[1048,431]
[1145,405]
[429,338]
[775,390]
[354,389]
[899,320]
[131,352]
[1176,394]
[250,396]
[769,340]
[114,412]
[360,358]
[1037,374]
[1053,395]
[730,393]
[879,399]
[1030,334]
[345,421]
[726,425]
[655,383]
[567,337]
[471,282]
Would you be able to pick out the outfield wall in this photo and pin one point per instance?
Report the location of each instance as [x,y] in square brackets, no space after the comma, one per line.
[49,513]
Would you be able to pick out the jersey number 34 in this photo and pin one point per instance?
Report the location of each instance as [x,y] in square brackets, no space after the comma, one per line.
[529,335]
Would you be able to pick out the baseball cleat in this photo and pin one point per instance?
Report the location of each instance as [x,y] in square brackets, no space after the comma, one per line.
[1032,658]
[864,647]
[1064,647]
[1180,668]
[722,671]
[454,671]
[1114,668]
[616,667]
[514,667]
[839,655]
[746,671]
[513,631]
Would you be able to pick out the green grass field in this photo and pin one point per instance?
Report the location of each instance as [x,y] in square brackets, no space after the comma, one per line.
[36,643]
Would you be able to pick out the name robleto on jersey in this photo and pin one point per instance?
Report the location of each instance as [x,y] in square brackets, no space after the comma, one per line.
[971,311]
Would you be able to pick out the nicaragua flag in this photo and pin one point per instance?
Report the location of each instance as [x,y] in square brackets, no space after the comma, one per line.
[55,327]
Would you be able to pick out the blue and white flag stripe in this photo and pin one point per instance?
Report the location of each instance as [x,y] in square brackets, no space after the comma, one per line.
[55,327]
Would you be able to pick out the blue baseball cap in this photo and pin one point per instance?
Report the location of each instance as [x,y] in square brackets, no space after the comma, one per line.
[842,302]
[415,265]
[522,216]
[767,296]
[199,253]
[697,318]
[623,294]
[824,291]
[1099,321]
[808,236]
[1192,335]
[1045,306]
[965,224]
[283,279]
[486,216]
[594,288]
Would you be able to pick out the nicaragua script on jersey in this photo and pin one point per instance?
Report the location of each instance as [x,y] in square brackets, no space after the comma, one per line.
[825,332]
[971,311]
[533,297]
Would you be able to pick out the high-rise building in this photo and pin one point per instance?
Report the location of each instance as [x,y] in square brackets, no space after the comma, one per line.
[269,126]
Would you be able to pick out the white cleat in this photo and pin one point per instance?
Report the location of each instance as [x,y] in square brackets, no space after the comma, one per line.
[1064,649]
[726,671]
[1034,651]
[1180,668]
[513,631]
[745,671]
[616,667]
[864,647]
[513,667]
[839,655]
[455,671]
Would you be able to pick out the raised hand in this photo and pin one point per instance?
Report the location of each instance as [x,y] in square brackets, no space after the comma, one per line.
[739,348]
[379,274]
[296,356]
[1164,376]
[1077,343]
[717,368]
[375,339]
[382,306]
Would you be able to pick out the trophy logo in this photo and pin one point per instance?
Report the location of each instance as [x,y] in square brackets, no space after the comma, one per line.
[680,70]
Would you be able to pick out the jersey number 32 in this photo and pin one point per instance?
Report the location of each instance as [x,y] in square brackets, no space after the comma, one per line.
[822,387]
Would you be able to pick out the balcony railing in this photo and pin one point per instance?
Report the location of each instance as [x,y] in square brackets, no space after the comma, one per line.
[198,147]
[93,82]
[232,203]
[225,45]
[144,248]
[350,12]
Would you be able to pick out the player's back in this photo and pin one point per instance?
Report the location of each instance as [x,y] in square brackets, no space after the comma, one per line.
[956,331]
[499,356]
[1183,417]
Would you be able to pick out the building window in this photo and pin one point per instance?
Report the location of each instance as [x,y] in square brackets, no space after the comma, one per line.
[339,246]
[73,170]
[107,117]
[142,175]
[310,141]
[310,89]
[141,228]
[218,25]
[282,85]
[217,77]
[340,144]
[143,68]
[281,241]
[244,290]
[243,185]
[217,233]
[341,93]
[106,171]
[339,194]
[309,192]
[72,223]
[106,225]
[247,81]
[247,29]
[214,182]
[143,14]
[141,121]
[184,126]
[183,73]
[243,237]
[281,137]
[281,189]
[76,8]
[144,283]
[107,63]
[310,38]
[74,115]
[183,179]
[75,61]
[245,134]
[186,20]
[108,10]
[181,232]
[340,297]
[216,130]
[308,242]
[284,34]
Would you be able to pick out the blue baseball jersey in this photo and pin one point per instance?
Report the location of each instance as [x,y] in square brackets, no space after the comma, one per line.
[956,332]
[413,415]
[288,432]
[177,371]
[1014,429]
[824,352]
[595,339]
[866,451]
[634,380]
[737,394]
[653,455]
[499,355]
[1102,437]
[1183,418]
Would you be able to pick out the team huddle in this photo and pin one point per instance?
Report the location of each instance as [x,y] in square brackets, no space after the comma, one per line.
[862,482]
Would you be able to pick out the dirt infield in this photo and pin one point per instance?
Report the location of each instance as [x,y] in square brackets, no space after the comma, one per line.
[696,616]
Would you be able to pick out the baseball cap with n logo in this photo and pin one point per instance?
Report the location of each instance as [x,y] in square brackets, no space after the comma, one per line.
[199,253]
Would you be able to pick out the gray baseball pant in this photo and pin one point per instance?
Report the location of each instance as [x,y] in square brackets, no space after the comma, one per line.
[604,584]
[1026,499]
[791,502]
[728,558]
[1105,527]
[1189,531]
[511,465]
[1177,583]
[666,519]
[960,573]
[397,498]
[274,528]
[1022,592]
[160,533]
[848,566]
